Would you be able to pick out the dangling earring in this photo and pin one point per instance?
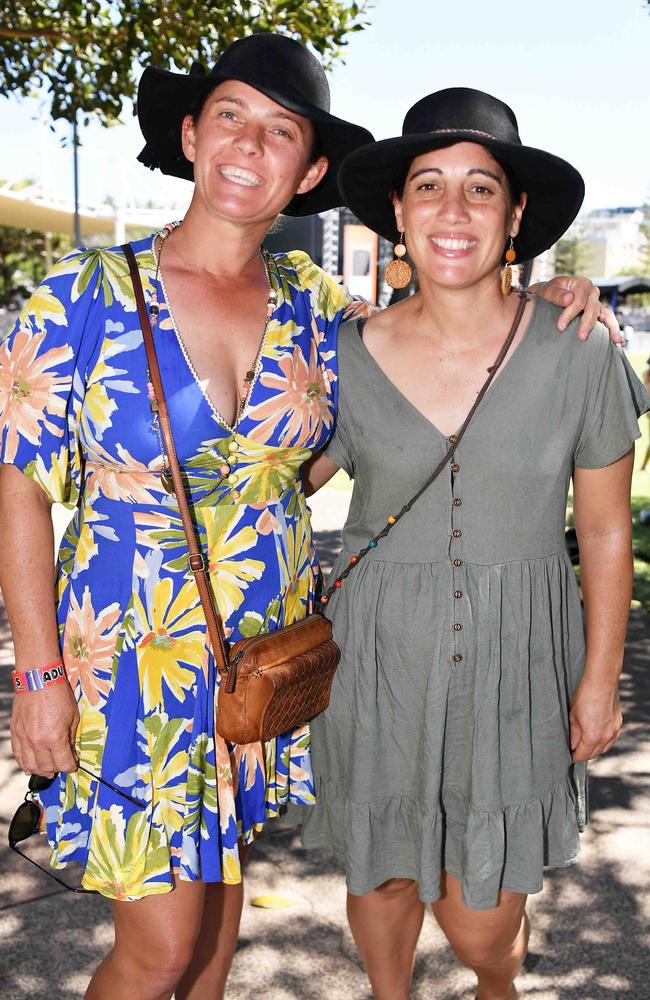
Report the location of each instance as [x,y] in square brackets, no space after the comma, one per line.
[398,273]
[506,270]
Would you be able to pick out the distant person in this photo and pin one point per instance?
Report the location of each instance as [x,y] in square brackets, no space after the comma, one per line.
[626,329]
[450,765]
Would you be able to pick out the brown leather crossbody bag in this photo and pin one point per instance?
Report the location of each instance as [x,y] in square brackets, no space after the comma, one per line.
[278,680]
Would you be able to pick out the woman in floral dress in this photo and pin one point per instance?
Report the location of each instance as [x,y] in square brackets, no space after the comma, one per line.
[77,428]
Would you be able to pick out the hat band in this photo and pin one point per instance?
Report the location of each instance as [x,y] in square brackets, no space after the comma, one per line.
[470,131]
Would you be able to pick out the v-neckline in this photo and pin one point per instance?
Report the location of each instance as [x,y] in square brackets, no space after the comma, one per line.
[261,351]
[360,323]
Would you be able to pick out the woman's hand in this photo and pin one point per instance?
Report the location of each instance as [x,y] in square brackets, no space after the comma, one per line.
[43,728]
[575,296]
[595,720]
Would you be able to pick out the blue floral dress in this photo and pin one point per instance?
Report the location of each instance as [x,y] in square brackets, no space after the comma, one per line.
[75,418]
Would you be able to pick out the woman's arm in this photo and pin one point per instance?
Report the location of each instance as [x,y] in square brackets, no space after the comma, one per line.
[318,471]
[601,505]
[43,723]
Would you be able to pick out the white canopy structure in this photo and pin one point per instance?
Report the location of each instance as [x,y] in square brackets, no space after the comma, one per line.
[32,208]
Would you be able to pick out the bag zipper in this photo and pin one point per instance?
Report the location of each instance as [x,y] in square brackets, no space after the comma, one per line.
[263,635]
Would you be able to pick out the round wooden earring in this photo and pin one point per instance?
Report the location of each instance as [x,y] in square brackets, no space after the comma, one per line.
[506,271]
[398,273]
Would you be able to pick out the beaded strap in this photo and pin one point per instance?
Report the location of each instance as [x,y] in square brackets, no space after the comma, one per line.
[455,440]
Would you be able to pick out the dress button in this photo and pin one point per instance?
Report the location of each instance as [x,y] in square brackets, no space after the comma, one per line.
[457,627]
[455,467]
[453,439]
[457,562]
[457,501]
[458,594]
[456,533]
[457,658]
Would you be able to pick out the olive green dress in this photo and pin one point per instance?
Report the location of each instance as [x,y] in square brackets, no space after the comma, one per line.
[446,743]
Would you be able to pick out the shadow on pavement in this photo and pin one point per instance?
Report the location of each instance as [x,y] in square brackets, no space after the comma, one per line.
[328,544]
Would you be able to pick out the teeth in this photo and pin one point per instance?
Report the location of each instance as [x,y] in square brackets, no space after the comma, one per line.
[240,176]
[453,244]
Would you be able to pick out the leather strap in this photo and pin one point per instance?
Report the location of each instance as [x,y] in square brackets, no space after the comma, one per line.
[196,559]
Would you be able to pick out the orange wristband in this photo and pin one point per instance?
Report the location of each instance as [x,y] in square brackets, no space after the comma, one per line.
[38,678]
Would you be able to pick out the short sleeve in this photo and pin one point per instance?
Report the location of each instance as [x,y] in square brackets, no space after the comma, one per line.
[43,361]
[338,449]
[615,400]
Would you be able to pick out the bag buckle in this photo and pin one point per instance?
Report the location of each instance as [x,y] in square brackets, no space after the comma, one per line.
[197,562]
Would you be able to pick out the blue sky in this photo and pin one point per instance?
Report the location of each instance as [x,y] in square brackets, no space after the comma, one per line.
[574,71]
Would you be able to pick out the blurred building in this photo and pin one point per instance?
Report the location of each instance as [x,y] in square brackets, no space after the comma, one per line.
[612,239]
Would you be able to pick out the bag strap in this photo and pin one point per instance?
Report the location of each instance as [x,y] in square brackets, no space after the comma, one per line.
[455,440]
[197,561]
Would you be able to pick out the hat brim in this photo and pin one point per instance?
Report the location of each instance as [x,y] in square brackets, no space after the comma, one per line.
[555,189]
[165,98]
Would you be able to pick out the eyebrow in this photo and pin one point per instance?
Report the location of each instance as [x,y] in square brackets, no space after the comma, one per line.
[270,114]
[470,173]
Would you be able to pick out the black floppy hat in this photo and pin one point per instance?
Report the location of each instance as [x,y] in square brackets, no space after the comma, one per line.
[277,66]
[555,189]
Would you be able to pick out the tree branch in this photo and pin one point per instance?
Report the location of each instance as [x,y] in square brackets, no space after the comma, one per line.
[33,33]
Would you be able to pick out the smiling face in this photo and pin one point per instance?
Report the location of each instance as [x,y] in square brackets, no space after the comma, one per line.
[457,214]
[250,155]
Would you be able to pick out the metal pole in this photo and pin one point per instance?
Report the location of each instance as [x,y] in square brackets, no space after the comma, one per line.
[331,241]
[75,162]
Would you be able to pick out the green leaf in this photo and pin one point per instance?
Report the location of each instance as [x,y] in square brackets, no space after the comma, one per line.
[251,624]
[87,55]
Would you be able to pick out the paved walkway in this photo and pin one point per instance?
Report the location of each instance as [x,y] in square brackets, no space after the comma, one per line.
[590,926]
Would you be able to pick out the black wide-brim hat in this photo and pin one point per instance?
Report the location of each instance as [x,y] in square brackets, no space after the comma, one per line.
[555,189]
[277,66]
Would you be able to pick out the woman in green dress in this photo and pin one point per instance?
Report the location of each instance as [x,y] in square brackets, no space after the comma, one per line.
[450,765]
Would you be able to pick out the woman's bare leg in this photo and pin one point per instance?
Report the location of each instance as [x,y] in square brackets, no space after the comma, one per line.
[154,942]
[491,942]
[205,976]
[386,925]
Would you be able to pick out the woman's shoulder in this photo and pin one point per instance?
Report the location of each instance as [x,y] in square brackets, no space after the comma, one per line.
[101,274]
[300,275]
[546,333]
[83,282]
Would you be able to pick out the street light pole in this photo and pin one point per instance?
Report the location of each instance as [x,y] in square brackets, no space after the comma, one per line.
[75,163]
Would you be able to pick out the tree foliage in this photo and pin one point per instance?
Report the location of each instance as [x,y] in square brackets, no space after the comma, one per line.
[23,261]
[573,255]
[85,53]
